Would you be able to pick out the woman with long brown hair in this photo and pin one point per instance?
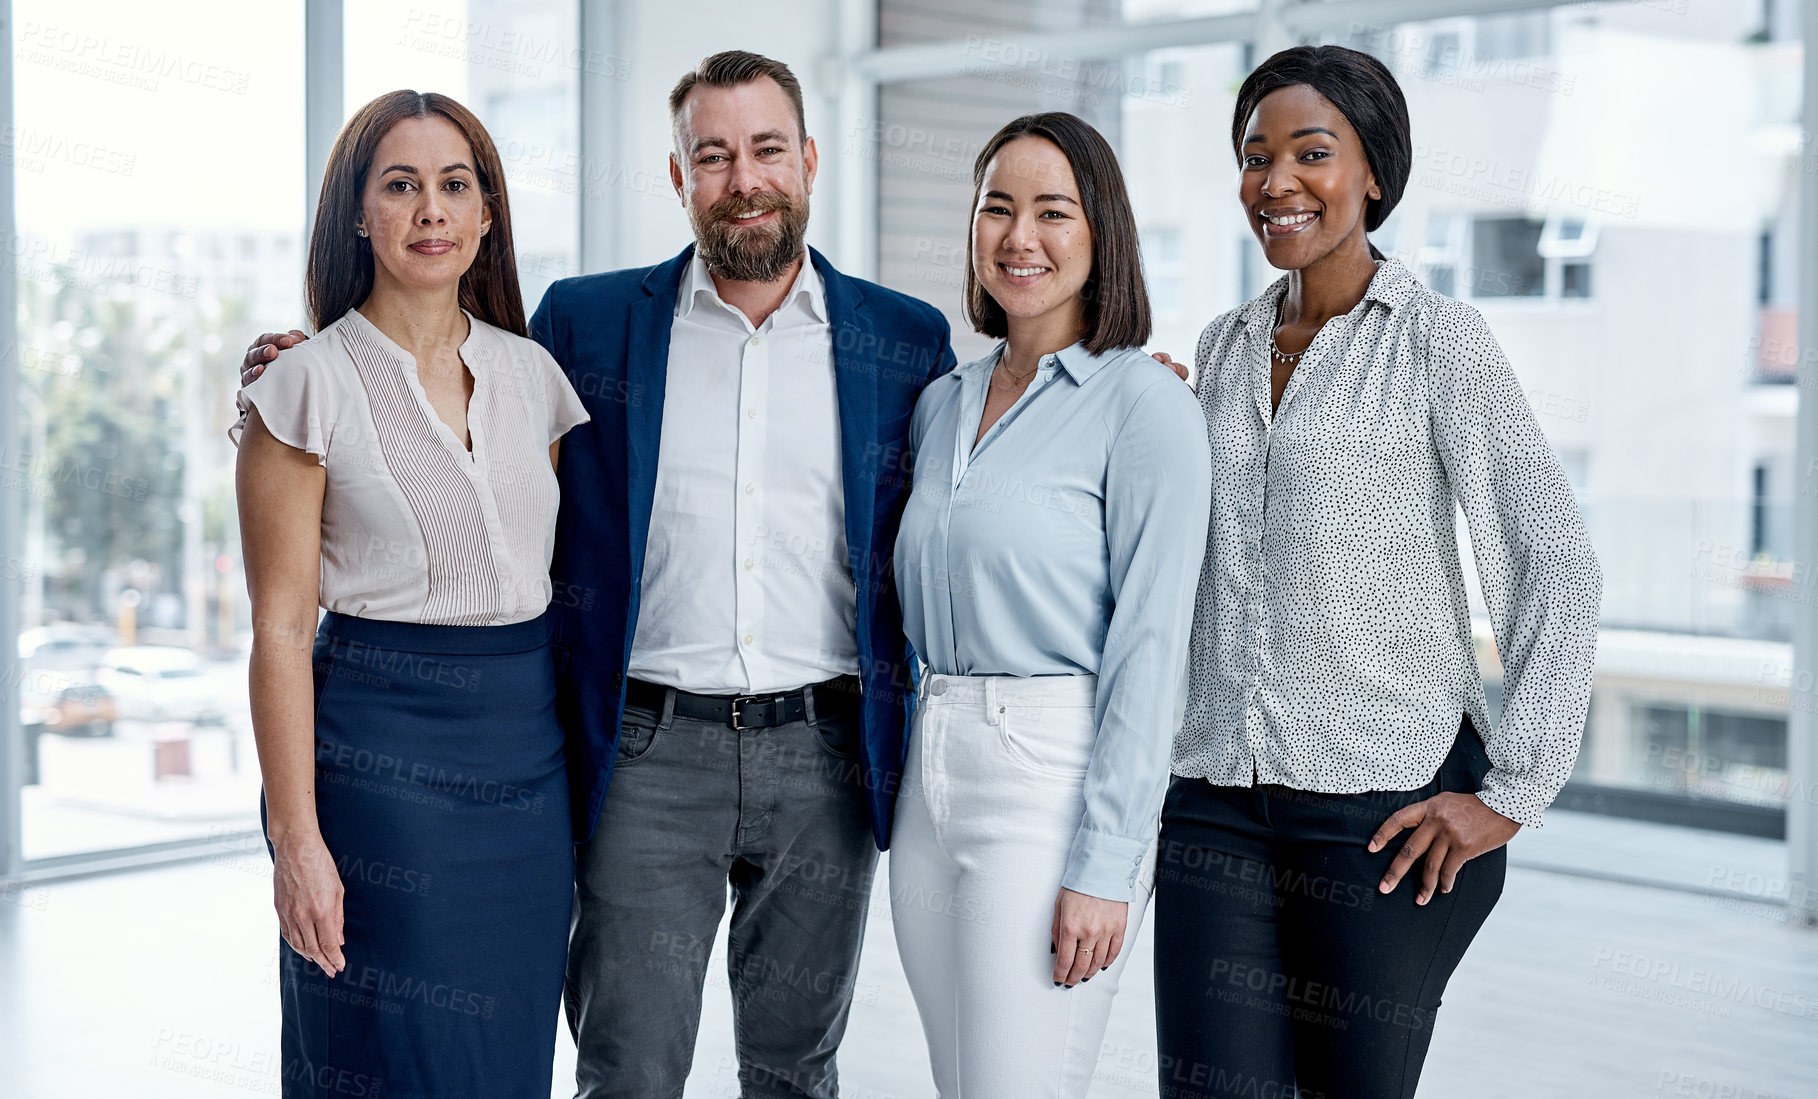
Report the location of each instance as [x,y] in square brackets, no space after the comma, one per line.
[397,470]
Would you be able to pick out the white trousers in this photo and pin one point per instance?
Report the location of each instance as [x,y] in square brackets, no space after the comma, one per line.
[991,798]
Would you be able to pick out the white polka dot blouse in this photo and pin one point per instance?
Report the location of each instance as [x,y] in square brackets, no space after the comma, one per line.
[1331,645]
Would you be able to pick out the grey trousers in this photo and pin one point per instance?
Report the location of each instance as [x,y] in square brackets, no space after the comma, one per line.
[778,815]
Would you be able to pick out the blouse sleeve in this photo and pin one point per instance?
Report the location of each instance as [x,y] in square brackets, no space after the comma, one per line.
[1539,575]
[565,408]
[295,399]
[1158,496]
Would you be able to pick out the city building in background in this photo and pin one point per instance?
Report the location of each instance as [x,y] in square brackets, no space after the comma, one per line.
[150,253]
[1565,183]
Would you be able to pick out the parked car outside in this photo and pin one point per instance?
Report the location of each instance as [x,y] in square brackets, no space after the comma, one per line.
[69,708]
[160,683]
[66,646]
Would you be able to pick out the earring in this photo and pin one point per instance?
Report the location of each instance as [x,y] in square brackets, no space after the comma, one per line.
[359,232]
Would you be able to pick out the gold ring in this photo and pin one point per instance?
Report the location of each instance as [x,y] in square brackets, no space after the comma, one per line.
[1085,950]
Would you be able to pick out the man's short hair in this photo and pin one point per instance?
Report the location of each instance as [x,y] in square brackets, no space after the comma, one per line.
[729,70]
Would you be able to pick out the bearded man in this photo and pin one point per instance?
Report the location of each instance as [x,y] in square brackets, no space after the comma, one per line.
[729,643]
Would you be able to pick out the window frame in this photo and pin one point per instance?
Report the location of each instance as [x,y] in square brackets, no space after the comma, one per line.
[858,71]
[1277,24]
[600,26]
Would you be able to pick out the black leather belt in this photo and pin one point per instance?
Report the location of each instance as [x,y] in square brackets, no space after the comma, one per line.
[836,697]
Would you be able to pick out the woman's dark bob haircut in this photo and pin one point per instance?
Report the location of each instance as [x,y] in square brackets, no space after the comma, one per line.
[1363,90]
[339,275]
[1117,303]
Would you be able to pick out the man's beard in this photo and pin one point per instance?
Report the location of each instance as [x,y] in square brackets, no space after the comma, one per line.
[755,254]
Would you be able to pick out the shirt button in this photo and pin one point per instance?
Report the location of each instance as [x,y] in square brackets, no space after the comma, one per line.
[748,639]
[750,488]
[748,564]
[938,687]
[754,341]
[751,413]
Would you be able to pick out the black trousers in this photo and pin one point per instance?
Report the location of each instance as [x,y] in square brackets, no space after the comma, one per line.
[1280,971]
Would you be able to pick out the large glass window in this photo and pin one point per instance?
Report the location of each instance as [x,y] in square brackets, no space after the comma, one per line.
[1520,199]
[1562,183]
[149,251]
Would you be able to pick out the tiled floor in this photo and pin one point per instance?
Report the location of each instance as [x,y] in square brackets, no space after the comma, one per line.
[158,984]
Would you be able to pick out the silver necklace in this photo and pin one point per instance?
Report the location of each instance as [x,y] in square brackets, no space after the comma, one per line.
[1275,350]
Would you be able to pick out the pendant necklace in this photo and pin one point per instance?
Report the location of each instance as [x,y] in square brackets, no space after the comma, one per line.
[1275,350]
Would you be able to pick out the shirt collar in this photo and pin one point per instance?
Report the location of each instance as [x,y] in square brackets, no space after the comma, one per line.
[469,349]
[1078,363]
[808,289]
[1081,364]
[1392,285]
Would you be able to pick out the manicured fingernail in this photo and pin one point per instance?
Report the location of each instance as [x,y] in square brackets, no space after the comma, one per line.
[1383,887]
[1083,980]
[1057,984]
[1051,948]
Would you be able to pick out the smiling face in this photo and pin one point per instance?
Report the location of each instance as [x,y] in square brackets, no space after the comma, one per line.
[422,208]
[1031,246]
[745,173]
[1304,179]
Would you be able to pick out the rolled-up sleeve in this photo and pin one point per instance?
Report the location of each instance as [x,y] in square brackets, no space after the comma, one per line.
[1158,491]
[1539,575]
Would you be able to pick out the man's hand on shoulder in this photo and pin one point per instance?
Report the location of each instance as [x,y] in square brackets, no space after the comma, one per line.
[264,350]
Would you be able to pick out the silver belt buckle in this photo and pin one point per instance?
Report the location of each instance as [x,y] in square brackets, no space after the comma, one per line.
[738,700]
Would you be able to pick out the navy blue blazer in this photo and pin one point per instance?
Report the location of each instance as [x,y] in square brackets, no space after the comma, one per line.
[610,333]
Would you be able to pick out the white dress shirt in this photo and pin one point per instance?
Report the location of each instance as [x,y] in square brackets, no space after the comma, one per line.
[1331,645]
[747,587]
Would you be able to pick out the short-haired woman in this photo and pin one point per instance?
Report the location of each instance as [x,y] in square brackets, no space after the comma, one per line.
[397,470]
[1046,562]
[1334,701]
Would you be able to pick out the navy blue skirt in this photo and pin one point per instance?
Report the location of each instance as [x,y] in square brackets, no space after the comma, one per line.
[443,798]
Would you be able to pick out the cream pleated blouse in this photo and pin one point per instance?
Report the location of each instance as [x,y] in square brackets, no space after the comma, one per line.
[415,527]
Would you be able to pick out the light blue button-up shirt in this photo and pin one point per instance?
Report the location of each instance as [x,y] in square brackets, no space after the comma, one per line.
[1067,542]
